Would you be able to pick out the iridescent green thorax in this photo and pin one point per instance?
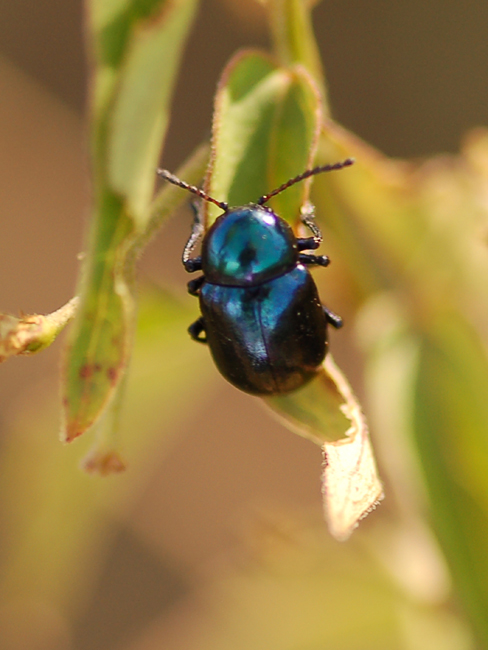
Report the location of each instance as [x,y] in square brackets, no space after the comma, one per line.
[247,246]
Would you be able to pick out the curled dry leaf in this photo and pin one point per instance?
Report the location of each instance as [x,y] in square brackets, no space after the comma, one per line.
[351,486]
[34,332]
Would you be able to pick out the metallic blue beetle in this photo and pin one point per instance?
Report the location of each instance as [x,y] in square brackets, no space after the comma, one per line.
[261,313]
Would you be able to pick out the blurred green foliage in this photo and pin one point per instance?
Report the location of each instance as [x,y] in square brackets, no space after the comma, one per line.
[409,242]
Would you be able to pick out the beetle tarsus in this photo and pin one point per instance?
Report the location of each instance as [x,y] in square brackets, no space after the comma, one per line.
[193,264]
[195,285]
[332,318]
[313,260]
[196,329]
[307,243]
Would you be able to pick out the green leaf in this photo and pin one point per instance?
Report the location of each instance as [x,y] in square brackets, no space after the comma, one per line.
[327,412]
[314,411]
[136,50]
[100,340]
[293,38]
[266,125]
[141,105]
[261,114]
[99,343]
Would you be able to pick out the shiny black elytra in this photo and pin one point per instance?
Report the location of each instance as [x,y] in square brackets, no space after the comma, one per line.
[261,313]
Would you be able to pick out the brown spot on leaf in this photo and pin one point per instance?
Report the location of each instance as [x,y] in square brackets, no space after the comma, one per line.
[86,371]
[112,374]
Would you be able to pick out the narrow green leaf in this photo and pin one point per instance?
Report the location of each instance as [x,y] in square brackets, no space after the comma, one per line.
[136,50]
[141,106]
[293,143]
[450,422]
[262,113]
[293,37]
[266,127]
[100,340]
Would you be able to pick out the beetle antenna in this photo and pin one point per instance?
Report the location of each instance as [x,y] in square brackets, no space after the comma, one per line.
[306,174]
[191,188]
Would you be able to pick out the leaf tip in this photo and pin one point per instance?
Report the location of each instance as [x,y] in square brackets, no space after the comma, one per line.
[69,434]
[351,486]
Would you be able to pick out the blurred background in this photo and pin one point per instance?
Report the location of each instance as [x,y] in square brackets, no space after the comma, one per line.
[410,78]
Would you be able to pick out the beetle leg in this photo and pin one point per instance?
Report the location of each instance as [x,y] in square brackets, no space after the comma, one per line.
[195,284]
[307,243]
[333,319]
[196,329]
[197,231]
[312,260]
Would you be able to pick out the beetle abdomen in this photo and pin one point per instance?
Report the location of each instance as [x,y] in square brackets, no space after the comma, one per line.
[266,339]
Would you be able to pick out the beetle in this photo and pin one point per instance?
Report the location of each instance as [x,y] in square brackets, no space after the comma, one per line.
[260,310]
